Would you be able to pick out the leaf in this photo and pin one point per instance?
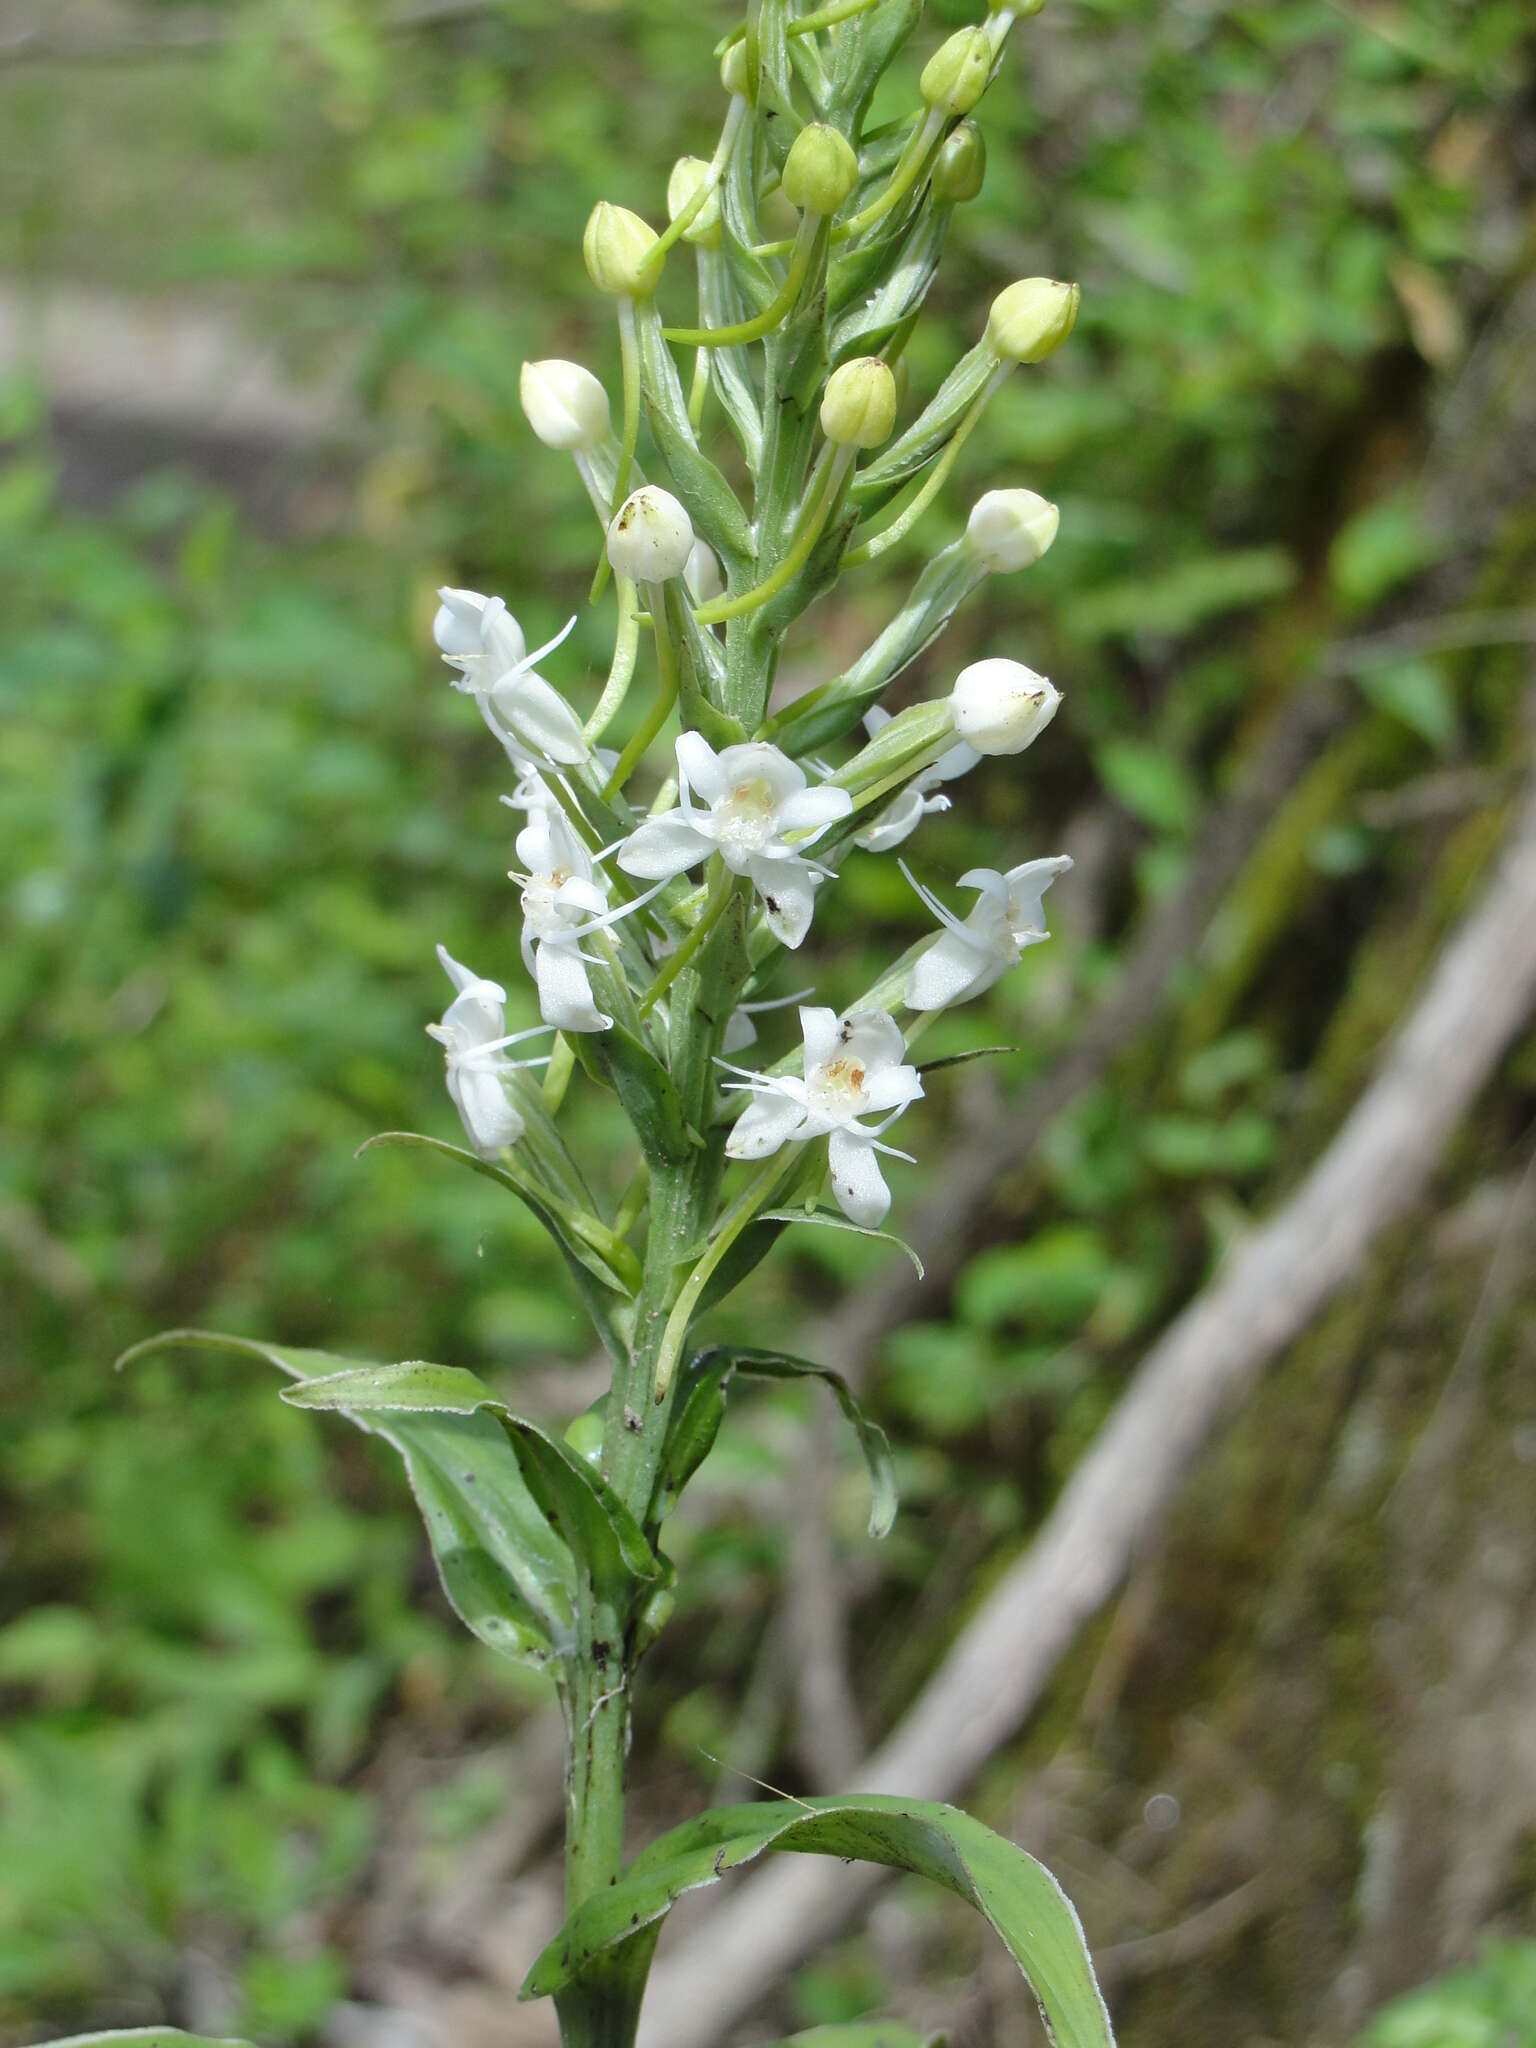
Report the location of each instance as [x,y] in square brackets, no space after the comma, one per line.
[597,1280]
[1414,692]
[507,1575]
[597,1527]
[1023,1903]
[833,1219]
[648,1094]
[1153,785]
[1182,596]
[150,2037]
[723,1362]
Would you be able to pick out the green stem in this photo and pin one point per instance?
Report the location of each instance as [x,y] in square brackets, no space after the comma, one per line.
[723,608]
[661,710]
[761,323]
[621,673]
[909,168]
[933,483]
[753,1197]
[721,885]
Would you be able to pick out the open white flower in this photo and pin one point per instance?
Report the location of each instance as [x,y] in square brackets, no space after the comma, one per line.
[565,898]
[902,816]
[969,955]
[479,638]
[750,799]
[474,1035]
[855,1066]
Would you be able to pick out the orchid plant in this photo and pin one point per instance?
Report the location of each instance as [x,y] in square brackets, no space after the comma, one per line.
[662,878]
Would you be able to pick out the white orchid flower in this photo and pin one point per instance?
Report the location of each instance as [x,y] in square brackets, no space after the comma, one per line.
[969,956]
[751,798]
[474,1035]
[901,817]
[855,1066]
[479,638]
[565,898]
[740,1031]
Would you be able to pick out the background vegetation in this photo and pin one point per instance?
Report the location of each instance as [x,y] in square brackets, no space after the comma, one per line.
[250,1775]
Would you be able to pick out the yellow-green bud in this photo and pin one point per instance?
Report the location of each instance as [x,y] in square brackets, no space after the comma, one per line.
[820,170]
[585,1434]
[617,247]
[858,407]
[733,68]
[1011,529]
[955,76]
[1031,318]
[960,166]
[688,174]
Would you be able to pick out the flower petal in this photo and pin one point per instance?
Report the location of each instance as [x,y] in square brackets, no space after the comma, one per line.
[898,821]
[700,767]
[953,969]
[788,890]
[539,716]
[664,846]
[489,1119]
[565,993]
[758,761]
[767,1122]
[459,975]
[819,806]
[1026,889]
[819,1028]
[857,1181]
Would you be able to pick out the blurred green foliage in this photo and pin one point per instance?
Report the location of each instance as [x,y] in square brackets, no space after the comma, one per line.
[1489,2004]
[238,808]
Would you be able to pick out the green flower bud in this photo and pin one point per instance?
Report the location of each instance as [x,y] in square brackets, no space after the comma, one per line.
[1031,318]
[820,170]
[617,247]
[1010,529]
[585,1435]
[858,407]
[961,166]
[733,68]
[688,174]
[956,75]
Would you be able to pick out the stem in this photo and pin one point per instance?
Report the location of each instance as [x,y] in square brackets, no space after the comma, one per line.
[933,483]
[621,674]
[753,1197]
[723,608]
[909,166]
[764,322]
[661,710]
[719,896]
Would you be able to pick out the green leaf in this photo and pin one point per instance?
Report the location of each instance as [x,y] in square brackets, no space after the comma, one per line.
[833,1219]
[648,1094]
[149,2037]
[723,1362]
[1415,693]
[1183,596]
[571,1494]
[507,1575]
[1018,1896]
[1380,549]
[598,1274]
[1152,784]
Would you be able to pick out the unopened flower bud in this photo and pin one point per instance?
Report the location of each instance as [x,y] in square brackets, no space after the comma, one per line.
[702,574]
[1011,529]
[1031,318]
[858,407]
[617,246]
[961,166]
[1000,706]
[955,76]
[733,68]
[566,406]
[820,170]
[688,174]
[651,537]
